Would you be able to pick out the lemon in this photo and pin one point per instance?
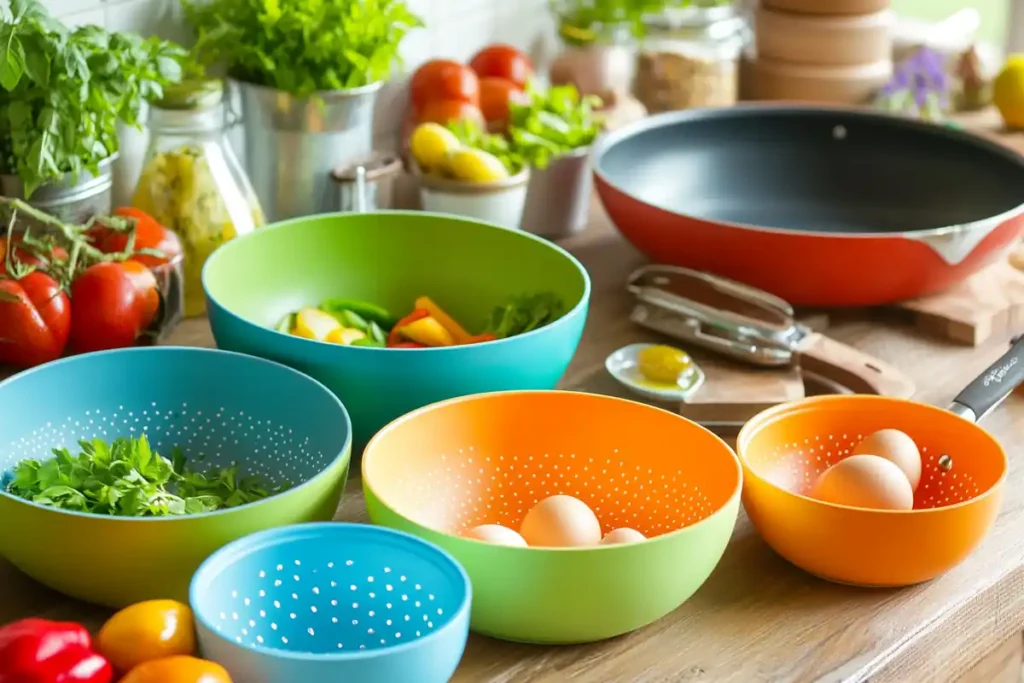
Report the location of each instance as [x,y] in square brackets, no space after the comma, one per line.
[431,143]
[476,166]
[1008,91]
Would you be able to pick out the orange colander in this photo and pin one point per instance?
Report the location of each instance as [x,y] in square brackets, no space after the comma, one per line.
[784,449]
[489,458]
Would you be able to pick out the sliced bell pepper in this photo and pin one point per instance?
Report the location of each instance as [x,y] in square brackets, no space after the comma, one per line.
[43,651]
[457,331]
[345,336]
[427,331]
[407,345]
[480,338]
[312,323]
[394,337]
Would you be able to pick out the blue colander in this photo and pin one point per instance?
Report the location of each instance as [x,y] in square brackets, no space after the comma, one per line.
[220,408]
[332,602]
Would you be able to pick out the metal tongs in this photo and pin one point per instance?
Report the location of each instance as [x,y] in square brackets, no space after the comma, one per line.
[752,326]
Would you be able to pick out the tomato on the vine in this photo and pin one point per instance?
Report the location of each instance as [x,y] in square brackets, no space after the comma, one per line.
[35,319]
[443,111]
[21,255]
[495,96]
[149,234]
[444,79]
[503,61]
[113,304]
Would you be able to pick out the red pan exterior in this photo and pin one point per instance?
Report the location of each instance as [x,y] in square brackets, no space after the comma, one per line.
[804,269]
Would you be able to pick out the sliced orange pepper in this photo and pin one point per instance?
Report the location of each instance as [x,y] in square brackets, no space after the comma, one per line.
[480,338]
[407,345]
[457,331]
[394,337]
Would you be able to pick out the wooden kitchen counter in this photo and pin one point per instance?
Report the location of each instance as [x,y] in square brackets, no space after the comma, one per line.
[757,618]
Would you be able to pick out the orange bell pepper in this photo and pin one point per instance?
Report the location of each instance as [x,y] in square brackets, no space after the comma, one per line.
[394,337]
[149,630]
[427,331]
[457,331]
[481,338]
[178,669]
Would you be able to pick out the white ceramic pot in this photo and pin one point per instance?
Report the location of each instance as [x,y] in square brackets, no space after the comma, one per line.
[500,203]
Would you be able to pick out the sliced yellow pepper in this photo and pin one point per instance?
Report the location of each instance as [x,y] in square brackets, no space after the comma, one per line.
[312,323]
[427,331]
[457,331]
[345,335]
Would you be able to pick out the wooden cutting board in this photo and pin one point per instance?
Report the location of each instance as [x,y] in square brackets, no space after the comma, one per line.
[986,306]
[735,393]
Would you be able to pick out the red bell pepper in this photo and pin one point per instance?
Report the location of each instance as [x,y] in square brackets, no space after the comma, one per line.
[42,651]
[394,338]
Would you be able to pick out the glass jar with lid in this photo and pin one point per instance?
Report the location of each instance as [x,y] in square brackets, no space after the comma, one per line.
[690,58]
[191,180]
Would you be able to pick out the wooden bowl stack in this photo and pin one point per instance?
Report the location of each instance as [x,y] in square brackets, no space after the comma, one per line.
[834,52]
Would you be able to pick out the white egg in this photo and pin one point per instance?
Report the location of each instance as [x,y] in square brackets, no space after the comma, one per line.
[623,535]
[561,521]
[497,534]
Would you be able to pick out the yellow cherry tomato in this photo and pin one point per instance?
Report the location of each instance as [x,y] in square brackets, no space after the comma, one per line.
[149,630]
[179,669]
[663,364]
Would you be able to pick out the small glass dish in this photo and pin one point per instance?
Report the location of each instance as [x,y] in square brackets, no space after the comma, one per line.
[623,365]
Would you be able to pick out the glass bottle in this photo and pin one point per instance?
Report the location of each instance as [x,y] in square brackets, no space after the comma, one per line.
[690,58]
[191,181]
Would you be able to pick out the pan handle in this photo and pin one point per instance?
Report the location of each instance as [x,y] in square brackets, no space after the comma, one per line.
[856,370]
[991,387]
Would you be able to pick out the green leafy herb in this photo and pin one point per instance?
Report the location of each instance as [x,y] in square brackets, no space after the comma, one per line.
[554,122]
[127,478]
[63,91]
[302,46]
[471,134]
[525,313]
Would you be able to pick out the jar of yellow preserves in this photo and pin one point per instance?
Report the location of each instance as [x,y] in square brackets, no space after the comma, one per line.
[191,181]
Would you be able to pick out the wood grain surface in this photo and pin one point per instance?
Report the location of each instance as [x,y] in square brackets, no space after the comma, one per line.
[757,618]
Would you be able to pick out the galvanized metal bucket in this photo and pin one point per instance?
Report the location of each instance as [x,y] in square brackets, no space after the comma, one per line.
[71,199]
[558,198]
[292,144]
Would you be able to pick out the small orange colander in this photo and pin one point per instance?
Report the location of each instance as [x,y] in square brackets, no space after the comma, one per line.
[785,448]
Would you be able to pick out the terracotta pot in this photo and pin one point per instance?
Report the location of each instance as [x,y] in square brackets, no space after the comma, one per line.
[818,40]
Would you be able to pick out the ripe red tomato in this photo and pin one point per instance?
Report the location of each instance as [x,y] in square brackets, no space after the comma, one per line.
[35,320]
[444,79]
[113,303]
[503,61]
[443,111]
[22,256]
[149,234]
[495,95]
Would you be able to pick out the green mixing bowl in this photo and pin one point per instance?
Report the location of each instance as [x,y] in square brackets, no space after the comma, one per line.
[489,459]
[390,258]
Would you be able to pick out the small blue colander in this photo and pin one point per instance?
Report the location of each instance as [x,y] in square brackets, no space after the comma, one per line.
[332,602]
[220,408]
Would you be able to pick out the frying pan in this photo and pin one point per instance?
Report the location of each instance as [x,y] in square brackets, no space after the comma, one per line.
[819,206]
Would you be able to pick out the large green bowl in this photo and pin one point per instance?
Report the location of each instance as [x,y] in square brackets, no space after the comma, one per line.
[489,459]
[390,258]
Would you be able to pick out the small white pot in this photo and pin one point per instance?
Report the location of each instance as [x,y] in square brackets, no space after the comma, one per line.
[501,202]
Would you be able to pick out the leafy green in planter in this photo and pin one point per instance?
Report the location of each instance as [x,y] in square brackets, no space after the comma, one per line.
[127,478]
[471,134]
[63,91]
[301,46]
[554,122]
